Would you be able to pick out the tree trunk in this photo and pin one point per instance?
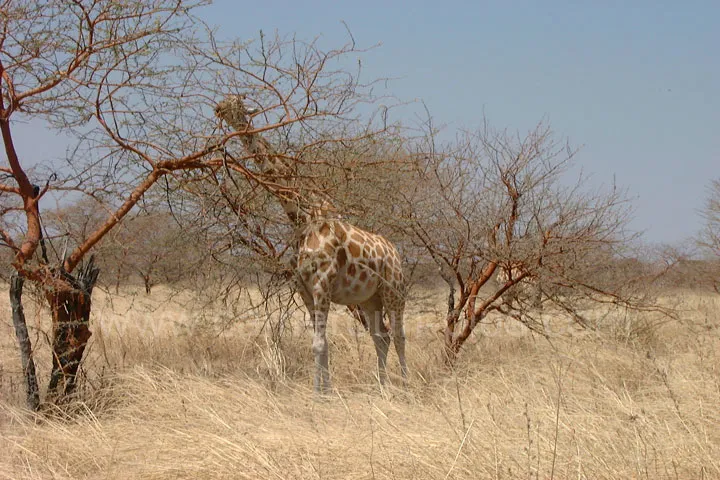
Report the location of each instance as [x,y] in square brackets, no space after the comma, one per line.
[451,345]
[32,392]
[451,350]
[148,284]
[70,309]
[450,356]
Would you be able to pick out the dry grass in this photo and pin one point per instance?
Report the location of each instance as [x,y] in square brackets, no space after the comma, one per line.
[190,402]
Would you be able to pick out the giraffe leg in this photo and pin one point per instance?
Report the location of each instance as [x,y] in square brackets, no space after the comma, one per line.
[318,311]
[381,338]
[320,344]
[394,308]
[398,332]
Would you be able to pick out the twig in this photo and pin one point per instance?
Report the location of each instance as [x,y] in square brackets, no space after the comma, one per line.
[460,449]
[557,422]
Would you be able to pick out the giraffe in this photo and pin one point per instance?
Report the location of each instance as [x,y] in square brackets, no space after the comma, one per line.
[335,262]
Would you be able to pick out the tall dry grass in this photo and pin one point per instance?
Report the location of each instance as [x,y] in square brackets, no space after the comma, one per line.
[167,396]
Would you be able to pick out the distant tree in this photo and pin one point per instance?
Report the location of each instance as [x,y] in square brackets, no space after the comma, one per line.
[149,244]
[709,236]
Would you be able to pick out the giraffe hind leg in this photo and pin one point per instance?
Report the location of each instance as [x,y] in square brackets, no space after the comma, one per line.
[395,306]
[373,313]
[398,334]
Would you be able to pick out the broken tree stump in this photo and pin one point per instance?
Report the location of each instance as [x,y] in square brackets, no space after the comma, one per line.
[70,303]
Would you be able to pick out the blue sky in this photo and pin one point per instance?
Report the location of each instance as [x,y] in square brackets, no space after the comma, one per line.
[636,84]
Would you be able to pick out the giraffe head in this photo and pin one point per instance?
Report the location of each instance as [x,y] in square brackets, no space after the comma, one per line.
[232,109]
[322,209]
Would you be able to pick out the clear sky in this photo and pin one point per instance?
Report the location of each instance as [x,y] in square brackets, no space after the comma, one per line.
[635,83]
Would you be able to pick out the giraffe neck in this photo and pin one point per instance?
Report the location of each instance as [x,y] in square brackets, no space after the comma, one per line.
[278,171]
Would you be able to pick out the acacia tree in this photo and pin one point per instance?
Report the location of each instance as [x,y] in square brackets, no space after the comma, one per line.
[498,203]
[72,64]
[135,84]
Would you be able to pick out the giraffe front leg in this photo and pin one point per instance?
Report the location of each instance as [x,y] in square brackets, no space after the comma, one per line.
[379,334]
[320,345]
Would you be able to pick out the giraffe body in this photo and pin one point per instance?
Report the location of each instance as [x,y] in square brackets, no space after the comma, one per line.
[350,263]
[336,262]
[343,264]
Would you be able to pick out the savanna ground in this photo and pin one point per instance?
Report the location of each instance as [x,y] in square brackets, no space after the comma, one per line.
[168,394]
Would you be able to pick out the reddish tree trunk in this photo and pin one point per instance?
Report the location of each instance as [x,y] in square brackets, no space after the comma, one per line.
[70,307]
